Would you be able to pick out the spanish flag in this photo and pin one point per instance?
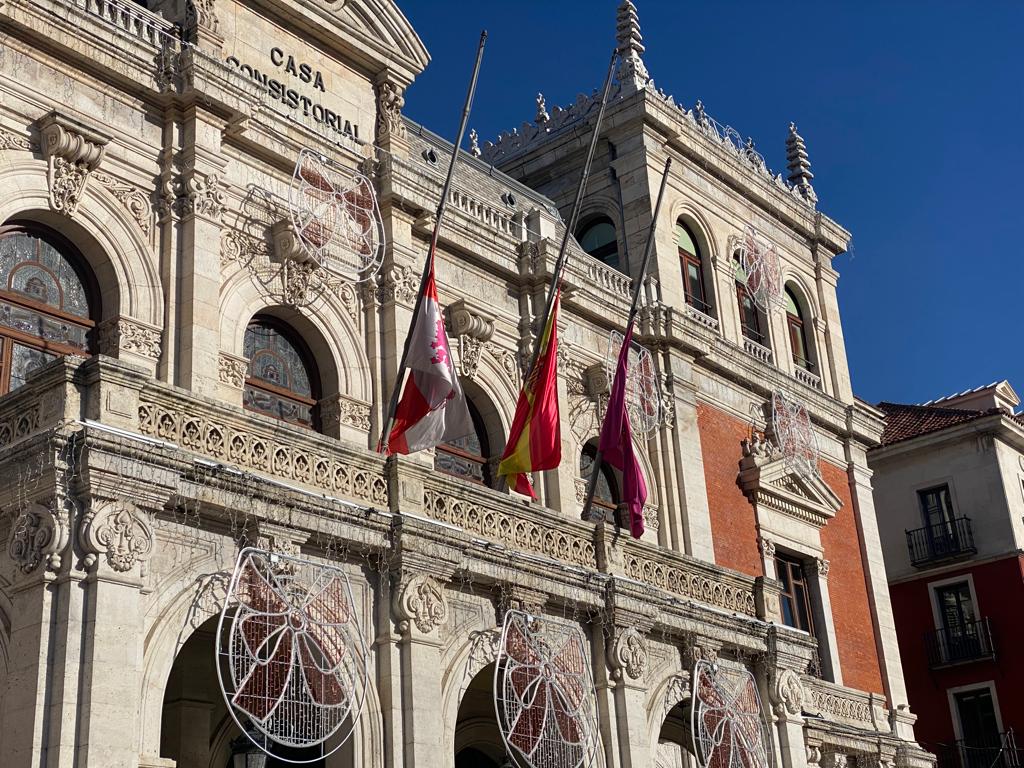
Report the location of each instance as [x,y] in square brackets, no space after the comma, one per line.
[535,440]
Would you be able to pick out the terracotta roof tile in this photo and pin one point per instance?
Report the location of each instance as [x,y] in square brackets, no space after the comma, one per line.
[903,422]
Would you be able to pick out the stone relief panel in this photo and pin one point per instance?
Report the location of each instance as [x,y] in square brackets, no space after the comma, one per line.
[38,537]
[422,602]
[120,532]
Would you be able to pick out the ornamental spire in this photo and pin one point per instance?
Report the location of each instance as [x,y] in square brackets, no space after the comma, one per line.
[799,166]
[632,73]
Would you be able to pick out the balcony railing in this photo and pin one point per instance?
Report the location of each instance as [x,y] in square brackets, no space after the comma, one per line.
[960,643]
[941,542]
[999,752]
[756,349]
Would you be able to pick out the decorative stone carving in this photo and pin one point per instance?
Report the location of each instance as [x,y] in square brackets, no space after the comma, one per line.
[799,166]
[485,645]
[542,111]
[390,100]
[629,654]
[346,411]
[632,73]
[286,243]
[10,140]
[697,649]
[678,691]
[205,196]
[422,602]
[823,566]
[119,531]
[134,201]
[474,330]
[401,284]
[787,693]
[232,369]
[474,143]
[37,536]
[813,755]
[201,13]
[72,151]
[767,548]
[124,334]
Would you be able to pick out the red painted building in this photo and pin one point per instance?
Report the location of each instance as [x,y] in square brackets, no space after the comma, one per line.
[949,495]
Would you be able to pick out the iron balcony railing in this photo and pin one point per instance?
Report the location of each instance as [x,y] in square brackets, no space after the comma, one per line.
[945,541]
[1000,751]
[959,643]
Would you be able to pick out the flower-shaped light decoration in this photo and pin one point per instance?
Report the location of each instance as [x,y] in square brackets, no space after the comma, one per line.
[791,427]
[761,270]
[728,726]
[643,391]
[336,217]
[292,660]
[544,693]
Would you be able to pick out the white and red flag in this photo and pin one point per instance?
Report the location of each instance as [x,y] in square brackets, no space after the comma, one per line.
[433,407]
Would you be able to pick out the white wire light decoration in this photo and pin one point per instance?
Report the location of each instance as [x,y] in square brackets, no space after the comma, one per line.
[762,270]
[291,658]
[544,693]
[791,427]
[728,725]
[643,390]
[336,217]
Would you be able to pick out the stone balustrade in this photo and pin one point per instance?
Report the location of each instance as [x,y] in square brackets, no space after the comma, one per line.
[806,377]
[759,351]
[129,17]
[839,704]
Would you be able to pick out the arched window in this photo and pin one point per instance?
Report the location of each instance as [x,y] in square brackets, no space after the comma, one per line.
[797,332]
[606,493]
[45,306]
[597,237]
[692,264]
[751,323]
[467,456]
[282,379]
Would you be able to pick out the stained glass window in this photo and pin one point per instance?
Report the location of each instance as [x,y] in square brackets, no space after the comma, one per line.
[279,382]
[45,310]
[467,456]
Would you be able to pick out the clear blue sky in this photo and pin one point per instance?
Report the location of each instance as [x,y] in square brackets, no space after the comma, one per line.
[913,113]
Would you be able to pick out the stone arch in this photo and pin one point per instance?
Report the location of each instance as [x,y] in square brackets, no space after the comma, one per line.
[803,291]
[464,663]
[169,630]
[332,337]
[804,298]
[117,252]
[667,706]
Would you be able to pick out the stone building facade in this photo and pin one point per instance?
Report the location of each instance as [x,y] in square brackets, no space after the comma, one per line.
[178,381]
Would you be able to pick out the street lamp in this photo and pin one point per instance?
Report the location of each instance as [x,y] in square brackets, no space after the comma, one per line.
[245,753]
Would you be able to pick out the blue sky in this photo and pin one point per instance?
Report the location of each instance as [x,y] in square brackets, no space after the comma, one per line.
[913,113]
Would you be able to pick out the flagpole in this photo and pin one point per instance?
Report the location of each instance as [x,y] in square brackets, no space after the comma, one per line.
[634,307]
[428,264]
[570,225]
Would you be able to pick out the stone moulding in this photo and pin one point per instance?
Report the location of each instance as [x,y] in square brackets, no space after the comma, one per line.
[245,445]
[37,537]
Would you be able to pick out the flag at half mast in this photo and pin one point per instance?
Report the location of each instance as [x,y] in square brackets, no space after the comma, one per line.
[433,407]
[535,440]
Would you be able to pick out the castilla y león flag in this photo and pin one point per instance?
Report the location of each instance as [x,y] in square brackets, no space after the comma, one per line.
[535,440]
[616,443]
[433,408]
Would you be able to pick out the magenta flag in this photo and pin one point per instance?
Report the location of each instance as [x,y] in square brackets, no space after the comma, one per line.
[616,443]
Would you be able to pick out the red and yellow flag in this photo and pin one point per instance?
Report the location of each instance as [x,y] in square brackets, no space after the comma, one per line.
[535,440]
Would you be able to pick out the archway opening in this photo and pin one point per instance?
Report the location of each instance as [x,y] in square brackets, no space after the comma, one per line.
[675,740]
[478,742]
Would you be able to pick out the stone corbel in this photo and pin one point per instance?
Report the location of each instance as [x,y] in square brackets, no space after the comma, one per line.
[72,151]
[391,132]
[232,370]
[38,537]
[473,329]
[787,694]
[121,336]
[420,603]
[119,532]
[627,655]
[287,246]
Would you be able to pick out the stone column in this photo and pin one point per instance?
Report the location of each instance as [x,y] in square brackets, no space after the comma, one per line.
[692,523]
[421,609]
[787,696]
[198,341]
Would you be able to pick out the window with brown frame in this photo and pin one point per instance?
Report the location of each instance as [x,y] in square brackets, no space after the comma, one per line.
[795,600]
[692,265]
[606,493]
[48,302]
[797,333]
[282,380]
[467,456]
[750,315]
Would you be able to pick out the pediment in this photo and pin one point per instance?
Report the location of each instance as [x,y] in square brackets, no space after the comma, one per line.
[772,484]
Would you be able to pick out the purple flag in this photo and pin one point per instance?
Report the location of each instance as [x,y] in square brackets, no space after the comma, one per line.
[616,443]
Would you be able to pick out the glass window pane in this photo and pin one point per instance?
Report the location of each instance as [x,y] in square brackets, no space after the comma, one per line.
[792,307]
[278,406]
[600,241]
[35,269]
[684,239]
[24,360]
[274,359]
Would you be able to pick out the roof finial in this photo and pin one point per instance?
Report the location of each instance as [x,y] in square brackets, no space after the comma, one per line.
[632,73]
[542,110]
[799,166]
[474,142]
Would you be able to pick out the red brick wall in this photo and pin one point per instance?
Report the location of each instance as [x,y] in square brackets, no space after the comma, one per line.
[733,524]
[848,590]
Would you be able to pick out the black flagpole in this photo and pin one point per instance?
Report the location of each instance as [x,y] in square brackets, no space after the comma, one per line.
[634,307]
[382,443]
